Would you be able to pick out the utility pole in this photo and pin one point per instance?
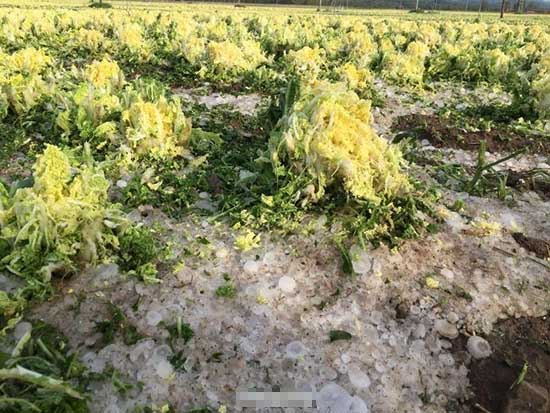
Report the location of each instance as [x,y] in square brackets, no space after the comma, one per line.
[502,9]
[417,5]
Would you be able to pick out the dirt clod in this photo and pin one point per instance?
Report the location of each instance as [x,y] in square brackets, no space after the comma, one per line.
[526,180]
[528,398]
[540,247]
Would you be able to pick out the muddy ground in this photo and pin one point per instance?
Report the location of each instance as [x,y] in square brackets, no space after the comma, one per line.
[443,133]
[517,344]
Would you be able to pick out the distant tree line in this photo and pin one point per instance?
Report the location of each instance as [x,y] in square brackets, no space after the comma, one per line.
[471,5]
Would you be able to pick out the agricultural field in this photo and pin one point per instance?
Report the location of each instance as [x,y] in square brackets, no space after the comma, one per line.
[197,200]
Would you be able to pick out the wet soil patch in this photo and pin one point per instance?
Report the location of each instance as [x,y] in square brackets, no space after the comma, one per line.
[441,133]
[529,181]
[540,247]
[514,342]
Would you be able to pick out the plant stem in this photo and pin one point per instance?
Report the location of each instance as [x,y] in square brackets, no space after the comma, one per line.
[29,376]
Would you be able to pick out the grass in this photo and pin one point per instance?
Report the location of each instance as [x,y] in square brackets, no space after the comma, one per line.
[117,325]
[180,330]
[481,180]
[227,290]
[478,184]
[521,375]
[41,375]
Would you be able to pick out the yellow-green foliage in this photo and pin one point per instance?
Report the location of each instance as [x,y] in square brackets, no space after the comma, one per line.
[93,102]
[130,35]
[227,56]
[157,129]
[329,135]
[89,39]
[87,111]
[104,74]
[119,117]
[28,61]
[63,218]
[359,45]
[21,82]
[357,79]
[407,67]
[247,241]
[307,61]
[23,93]
[497,64]
[540,88]
[444,60]
[193,49]
[4,105]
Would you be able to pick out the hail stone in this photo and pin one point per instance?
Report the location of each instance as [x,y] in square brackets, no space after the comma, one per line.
[358,378]
[287,284]
[446,329]
[478,347]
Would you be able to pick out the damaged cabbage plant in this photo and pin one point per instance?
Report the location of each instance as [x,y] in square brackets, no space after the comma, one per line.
[325,137]
[60,221]
[134,121]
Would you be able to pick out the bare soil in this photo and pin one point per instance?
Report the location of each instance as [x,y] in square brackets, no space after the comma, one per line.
[526,181]
[540,247]
[514,342]
[441,133]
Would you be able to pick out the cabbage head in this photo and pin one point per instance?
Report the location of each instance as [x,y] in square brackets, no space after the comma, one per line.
[64,219]
[157,129]
[328,135]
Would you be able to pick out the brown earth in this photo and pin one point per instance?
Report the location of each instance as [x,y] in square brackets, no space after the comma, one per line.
[441,133]
[540,247]
[514,342]
[527,181]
